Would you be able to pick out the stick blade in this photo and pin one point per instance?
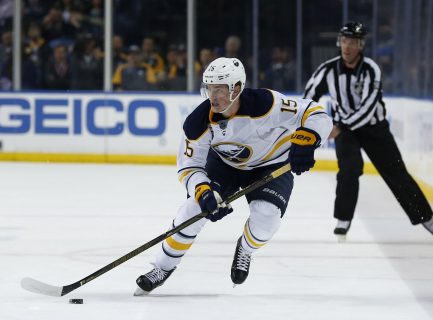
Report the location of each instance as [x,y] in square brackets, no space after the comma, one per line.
[36,286]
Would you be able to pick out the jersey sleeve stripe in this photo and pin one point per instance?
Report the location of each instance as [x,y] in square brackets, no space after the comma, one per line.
[277,146]
[308,112]
[189,173]
[184,174]
[190,176]
[186,168]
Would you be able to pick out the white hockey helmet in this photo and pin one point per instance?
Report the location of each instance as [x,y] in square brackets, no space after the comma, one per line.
[229,71]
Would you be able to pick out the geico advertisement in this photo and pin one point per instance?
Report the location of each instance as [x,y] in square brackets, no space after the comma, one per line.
[94,123]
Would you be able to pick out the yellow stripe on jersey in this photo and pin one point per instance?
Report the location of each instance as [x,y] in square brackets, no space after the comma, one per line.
[250,238]
[309,112]
[277,146]
[176,245]
[183,175]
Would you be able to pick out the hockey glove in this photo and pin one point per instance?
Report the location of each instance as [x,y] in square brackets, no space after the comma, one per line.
[209,199]
[301,155]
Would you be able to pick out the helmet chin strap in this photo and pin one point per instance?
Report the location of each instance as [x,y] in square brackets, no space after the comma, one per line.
[226,110]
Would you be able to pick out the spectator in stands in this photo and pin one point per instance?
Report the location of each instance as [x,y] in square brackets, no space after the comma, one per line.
[95,18]
[129,19]
[6,14]
[57,24]
[6,60]
[57,71]
[35,54]
[170,58]
[119,56]
[232,47]
[176,68]
[33,11]
[134,75]
[86,65]
[206,56]
[152,58]
[281,73]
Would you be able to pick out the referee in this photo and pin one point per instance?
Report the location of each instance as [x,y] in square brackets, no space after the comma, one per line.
[354,83]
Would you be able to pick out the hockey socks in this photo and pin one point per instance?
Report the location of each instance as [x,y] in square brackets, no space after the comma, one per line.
[174,247]
[264,221]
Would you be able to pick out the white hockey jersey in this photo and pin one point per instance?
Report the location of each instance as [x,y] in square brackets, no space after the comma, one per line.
[257,135]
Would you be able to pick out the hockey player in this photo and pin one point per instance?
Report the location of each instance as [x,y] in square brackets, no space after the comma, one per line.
[354,83]
[232,139]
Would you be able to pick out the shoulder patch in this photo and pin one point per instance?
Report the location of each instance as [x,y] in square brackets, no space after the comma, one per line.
[197,121]
[255,102]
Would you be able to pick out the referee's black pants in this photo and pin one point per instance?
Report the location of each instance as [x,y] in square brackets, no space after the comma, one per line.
[379,144]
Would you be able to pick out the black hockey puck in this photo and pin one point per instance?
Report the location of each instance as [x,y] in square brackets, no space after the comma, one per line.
[76,301]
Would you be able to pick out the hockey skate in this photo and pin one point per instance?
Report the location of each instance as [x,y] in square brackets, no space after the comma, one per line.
[428,225]
[151,280]
[241,264]
[341,230]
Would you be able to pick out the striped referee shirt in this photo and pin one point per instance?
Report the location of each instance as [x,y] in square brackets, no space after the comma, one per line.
[356,94]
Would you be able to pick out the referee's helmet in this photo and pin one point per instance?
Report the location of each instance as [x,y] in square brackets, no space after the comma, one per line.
[353,29]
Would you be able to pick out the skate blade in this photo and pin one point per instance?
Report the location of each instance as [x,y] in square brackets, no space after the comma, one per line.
[341,238]
[140,292]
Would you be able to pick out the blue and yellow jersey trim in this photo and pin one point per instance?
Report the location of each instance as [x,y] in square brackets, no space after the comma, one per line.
[197,123]
[277,146]
[185,173]
[310,112]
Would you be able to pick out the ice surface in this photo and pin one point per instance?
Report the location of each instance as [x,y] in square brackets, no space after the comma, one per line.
[61,222]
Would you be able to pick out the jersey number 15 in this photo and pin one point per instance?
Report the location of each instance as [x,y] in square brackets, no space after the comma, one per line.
[290,106]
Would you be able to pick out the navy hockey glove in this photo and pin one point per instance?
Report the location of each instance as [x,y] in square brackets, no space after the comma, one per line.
[209,199]
[301,154]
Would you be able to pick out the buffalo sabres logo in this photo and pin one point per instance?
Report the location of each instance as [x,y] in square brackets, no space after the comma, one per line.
[233,152]
[357,87]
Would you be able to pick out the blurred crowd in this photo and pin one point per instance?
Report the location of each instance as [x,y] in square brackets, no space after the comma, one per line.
[63,50]
[60,48]
[63,45]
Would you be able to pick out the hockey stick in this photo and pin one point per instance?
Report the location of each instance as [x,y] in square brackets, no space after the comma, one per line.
[36,286]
